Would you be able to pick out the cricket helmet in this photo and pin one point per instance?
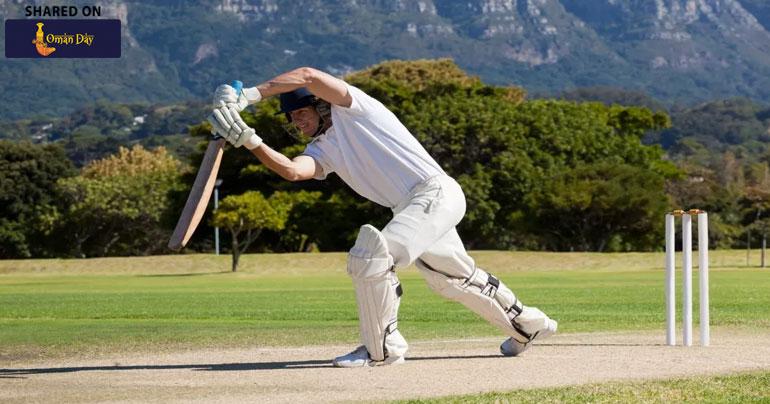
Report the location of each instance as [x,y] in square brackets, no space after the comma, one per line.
[301,98]
[294,100]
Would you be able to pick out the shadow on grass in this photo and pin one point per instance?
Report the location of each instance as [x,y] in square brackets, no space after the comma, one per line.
[182,275]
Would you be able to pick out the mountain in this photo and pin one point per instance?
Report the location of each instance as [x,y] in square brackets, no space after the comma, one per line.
[682,51]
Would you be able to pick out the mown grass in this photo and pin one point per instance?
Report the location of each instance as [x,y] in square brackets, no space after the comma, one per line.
[742,388]
[57,307]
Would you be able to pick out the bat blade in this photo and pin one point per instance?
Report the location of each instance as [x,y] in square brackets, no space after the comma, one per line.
[199,197]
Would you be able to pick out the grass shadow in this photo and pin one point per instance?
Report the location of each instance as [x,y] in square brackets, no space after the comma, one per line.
[184,275]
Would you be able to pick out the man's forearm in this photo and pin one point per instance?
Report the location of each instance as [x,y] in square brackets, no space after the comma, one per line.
[286,82]
[323,85]
[275,161]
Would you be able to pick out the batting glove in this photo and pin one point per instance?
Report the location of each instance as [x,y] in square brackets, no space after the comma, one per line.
[227,122]
[225,95]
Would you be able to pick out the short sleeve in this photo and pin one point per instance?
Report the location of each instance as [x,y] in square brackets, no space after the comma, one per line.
[314,150]
[362,103]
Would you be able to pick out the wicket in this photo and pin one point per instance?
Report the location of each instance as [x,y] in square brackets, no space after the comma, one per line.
[703,271]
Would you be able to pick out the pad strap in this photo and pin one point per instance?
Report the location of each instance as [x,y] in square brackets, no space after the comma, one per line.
[483,293]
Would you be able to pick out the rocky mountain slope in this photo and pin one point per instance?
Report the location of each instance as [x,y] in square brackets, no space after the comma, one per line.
[676,50]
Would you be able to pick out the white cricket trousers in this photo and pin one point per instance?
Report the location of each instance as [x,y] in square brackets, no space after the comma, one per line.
[423,226]
[423,229]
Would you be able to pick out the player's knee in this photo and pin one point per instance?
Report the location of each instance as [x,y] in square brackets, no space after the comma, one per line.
[436,281]
[369,257]
[400,254]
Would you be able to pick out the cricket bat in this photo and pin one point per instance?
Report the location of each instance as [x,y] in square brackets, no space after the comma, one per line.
[200,194]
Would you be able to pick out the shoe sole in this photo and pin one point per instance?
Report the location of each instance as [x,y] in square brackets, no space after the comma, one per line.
[370,364]
[539,336]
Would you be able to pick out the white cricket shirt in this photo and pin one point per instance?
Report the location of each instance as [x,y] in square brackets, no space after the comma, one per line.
[372,151]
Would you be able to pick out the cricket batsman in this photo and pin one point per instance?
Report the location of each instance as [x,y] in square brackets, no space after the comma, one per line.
[357,137]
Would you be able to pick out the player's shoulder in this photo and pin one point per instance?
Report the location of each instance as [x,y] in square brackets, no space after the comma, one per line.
[355,91]
[361,102]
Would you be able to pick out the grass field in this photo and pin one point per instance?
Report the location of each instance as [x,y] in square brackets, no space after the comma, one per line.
[60,307]
[744,388]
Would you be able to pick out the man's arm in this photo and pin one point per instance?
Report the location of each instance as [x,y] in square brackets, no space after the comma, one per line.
[299,169]
[323,85]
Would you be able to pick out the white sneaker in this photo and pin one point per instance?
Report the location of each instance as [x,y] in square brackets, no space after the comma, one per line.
[511,347]
[360,358]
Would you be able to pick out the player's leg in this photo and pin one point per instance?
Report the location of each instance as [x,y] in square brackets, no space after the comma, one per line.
[431,210]
[378,293]
[452,273]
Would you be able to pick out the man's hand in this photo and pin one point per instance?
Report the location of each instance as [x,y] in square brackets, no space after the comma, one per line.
[226,96]
[227,122]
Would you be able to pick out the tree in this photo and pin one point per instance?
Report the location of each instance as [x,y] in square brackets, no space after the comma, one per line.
[613,95]
[245,216]
[116,204]
[298,235]
[598,207]
[29,196]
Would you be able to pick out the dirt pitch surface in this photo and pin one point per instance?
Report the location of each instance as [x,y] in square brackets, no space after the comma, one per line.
[433,369]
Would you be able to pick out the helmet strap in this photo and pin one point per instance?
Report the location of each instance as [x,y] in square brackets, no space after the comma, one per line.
[325,116]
